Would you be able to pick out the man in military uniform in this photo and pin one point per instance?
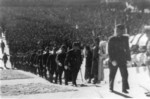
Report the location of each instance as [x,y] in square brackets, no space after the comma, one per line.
[45,57]
[32,62]
[73,62]
[60,59]
[95,60]
[5,59]
[119,56]
[39,62]
[11,58]
[51,64]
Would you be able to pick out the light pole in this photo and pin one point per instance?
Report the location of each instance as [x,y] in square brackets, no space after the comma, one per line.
[127,19]
[76,35]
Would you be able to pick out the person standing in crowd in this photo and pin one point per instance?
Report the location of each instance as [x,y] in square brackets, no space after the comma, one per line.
[32,62]
[119,56]
[73,62]
[147,31]
[12,60]
[27,61]
[5,59]
[2,46]
[95,60]
[45,57]
[102,56]
[88,64]
[60,59]
[51,64]
[40,63]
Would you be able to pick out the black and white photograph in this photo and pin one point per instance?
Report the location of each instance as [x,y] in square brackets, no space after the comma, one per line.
[74,49]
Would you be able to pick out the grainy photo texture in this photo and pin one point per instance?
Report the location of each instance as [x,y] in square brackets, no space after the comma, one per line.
[74,49]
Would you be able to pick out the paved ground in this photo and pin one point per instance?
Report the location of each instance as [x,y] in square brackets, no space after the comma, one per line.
[12,74]
[139,84]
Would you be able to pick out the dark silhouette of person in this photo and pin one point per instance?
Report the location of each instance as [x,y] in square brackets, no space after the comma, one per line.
[40,63]
[2,46]
[5,59]
[119,56]
[73,62]
[45,58]
[60,59]
[32,62]
[95,60]
[51,64]
[88,64]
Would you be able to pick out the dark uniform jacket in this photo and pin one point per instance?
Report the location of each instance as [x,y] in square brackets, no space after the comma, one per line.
[5,58]
[51,62]
[73,59]
[95,60]
[118,49]
[40,60]
[32,59]
[61,58]
[45,57]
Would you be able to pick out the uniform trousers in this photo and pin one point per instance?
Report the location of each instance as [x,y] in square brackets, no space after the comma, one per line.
[124,74]
[59,74]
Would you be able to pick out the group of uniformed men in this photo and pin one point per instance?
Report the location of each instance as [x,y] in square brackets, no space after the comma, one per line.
[46,63]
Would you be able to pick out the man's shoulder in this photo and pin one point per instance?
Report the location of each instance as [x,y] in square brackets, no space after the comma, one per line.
[70,51]
[112,38]
[124,37]
[59,54]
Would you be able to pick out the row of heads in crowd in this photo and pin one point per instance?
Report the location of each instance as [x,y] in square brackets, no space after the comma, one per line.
[63,48]
[119,30]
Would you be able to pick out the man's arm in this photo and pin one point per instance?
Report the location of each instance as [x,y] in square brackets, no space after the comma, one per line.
[67,59]
[111,49]
[127,49]
[57,60]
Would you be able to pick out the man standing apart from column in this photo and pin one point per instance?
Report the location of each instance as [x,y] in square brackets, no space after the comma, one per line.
[119,56]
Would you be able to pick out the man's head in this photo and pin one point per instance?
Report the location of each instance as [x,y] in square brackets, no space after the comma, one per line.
[96,41]
[63,48]
[54,50]
[120,29]
[47,49]
[76,45]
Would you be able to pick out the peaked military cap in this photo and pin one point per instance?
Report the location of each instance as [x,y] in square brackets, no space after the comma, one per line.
[120,26]
[76,44]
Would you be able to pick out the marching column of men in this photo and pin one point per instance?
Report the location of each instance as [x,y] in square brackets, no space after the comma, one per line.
[47,63]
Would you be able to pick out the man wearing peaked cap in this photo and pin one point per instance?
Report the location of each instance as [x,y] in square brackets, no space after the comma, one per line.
[119,56]
[60,58]
[73,62]
[120,26]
